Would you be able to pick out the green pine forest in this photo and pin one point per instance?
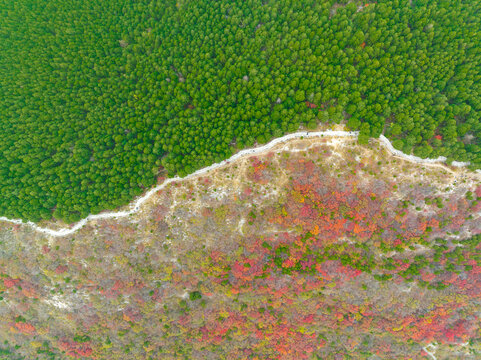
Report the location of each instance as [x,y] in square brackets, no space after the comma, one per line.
[99,98]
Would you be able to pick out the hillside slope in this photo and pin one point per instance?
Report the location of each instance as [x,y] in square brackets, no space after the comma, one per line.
[316,249]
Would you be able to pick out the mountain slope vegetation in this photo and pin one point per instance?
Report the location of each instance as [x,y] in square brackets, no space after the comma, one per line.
[315,249]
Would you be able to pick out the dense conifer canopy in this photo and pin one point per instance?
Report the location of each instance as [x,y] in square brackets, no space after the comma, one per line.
[97,96]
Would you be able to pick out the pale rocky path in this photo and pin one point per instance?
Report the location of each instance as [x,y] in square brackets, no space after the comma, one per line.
[135,206]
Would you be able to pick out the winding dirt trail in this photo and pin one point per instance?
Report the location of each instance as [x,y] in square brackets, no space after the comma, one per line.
[136,205]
